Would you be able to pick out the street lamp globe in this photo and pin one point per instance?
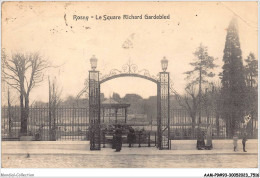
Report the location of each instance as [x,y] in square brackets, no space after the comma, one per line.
[93,62]
[164,63]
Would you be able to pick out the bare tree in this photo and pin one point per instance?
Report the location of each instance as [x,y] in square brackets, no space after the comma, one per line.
[203,66]
[54,101]
[3,57]
[211,102]
[23,72]
[190,103]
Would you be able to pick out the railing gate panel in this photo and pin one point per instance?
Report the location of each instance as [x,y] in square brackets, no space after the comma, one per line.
[94,110]
[158,115]
[164,119]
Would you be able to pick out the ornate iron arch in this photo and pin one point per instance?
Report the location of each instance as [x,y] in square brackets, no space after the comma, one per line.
[129,70]
[129,75]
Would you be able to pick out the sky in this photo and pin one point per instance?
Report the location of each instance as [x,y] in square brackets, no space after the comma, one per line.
[49,28]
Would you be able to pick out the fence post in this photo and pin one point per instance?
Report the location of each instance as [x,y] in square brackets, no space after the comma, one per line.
[149,145]
[104,139]
[155,139]
[139,140]
[10,120]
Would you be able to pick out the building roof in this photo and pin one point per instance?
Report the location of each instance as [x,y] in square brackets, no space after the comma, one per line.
[110,103]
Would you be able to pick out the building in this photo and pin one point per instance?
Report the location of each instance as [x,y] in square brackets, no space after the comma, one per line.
[113,111]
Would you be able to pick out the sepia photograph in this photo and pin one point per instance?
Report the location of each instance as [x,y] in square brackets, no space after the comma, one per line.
[139,84]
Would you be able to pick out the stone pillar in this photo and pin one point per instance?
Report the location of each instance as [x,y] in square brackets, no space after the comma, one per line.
[125,114]
[116,114]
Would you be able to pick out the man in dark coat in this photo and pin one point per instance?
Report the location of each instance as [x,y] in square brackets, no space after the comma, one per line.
[131,137]
[118,139]
[244,142]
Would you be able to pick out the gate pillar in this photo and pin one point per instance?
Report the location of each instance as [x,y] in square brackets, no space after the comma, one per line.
[164,111]
[94,110]
[158,115]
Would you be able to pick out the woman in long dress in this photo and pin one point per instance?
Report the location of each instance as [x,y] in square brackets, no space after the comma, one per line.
[118,139]
[208,145]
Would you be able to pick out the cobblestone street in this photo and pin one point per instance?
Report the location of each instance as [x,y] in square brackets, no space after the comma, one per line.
[120,160]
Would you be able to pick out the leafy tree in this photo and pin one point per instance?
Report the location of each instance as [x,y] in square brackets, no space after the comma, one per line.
[116,97]
[251,70]
[136,102]
[132,97]
[150,107]
[233,81]
[203,66]
[251,74]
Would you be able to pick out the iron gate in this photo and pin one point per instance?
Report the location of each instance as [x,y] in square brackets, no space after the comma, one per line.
[129,70]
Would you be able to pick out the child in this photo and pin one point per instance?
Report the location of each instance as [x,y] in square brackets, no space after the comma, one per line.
[244,141]
[235,138]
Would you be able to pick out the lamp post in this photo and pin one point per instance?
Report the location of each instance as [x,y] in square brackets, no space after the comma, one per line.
[93,62]
[164,63]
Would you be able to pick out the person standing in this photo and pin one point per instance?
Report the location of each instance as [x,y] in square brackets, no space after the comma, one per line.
[118,139]
[131,137]
[235,138]
[114,138]
[114,141]
[208,145]
[244,139]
